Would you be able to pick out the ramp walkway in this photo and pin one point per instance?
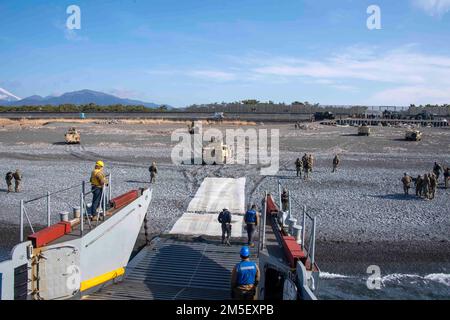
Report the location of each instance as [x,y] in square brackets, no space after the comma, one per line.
[213,195]
[190,269]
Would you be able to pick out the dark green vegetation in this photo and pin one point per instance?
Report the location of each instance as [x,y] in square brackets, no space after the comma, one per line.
[82,108]
[245,106]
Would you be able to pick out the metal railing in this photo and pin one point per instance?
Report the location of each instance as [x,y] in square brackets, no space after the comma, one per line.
[309,245]
[106,197]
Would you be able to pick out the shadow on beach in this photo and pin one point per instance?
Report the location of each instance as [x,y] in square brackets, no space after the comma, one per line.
[398,196]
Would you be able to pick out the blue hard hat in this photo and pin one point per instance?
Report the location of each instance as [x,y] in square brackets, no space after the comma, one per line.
[245,252]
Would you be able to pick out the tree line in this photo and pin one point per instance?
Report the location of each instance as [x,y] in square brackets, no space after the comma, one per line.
[244,106]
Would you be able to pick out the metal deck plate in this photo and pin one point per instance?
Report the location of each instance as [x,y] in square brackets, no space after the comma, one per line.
[172,269]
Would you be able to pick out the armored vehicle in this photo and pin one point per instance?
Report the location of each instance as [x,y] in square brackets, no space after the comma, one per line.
[413,135]
[363,130]
[72,136]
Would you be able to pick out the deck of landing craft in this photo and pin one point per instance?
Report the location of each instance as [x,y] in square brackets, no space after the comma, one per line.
[172,269]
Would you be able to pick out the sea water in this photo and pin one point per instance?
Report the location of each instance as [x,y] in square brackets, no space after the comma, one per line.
[394,286]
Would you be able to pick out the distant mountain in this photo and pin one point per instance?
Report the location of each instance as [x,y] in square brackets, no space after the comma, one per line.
[79,98]
[7,96]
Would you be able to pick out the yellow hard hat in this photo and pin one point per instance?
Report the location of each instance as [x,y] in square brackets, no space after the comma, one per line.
[100,163]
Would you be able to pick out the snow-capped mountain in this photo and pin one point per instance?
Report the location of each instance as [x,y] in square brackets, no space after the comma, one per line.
[76,97]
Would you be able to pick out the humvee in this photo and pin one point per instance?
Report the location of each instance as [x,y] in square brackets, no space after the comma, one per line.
[216,153]
[413,135]
[72,136]
[363,130]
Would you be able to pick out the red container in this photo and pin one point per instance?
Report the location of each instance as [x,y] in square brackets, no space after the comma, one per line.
[292,250]
[272,208]
[123,200]
[49,234]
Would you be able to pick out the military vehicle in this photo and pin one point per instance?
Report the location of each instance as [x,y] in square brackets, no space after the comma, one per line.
[364,130]
[72,136]
[218,116]
[413,135]
[320,116]
[216,152]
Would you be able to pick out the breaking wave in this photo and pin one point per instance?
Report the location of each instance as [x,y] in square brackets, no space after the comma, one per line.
[441,278]
[327,275]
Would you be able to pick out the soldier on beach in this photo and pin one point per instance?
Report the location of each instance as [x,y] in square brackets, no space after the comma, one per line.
[9,178]
[419,182]
[426,186]
[308,166]
[17,180]
[304,165]
[433,186]
[336,162]
[153,172]
[311,159]
[437,169]
[446,176]
[406,180]
[299,167]
[285,200]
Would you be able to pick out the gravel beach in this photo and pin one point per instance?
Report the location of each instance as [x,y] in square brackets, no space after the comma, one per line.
[363,216]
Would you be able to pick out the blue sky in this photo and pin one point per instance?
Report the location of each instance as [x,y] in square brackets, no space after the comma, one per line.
[200,51]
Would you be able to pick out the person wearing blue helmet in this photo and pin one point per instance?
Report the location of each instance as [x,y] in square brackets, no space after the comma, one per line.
[244,277]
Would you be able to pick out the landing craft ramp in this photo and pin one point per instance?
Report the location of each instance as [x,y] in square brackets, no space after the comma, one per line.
[181,270]
[171,268]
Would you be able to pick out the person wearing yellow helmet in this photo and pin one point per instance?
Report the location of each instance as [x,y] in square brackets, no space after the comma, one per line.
[98,181]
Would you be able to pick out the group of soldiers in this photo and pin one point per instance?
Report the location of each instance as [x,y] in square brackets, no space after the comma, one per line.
[426,184]
[17,177]
[306,165]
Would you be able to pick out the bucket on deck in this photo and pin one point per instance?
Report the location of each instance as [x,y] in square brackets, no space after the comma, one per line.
[64,216]
[76,212]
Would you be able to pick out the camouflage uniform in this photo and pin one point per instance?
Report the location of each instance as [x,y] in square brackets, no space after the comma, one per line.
[406,180]
[446,176]
[9,177]
[285,200]
[311,160]
[308,166]
[305,165]
[17,180]
[153,171]
[419,182]
[426,186]
[437,169]
[433,185]
[336,161]
[299,167]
